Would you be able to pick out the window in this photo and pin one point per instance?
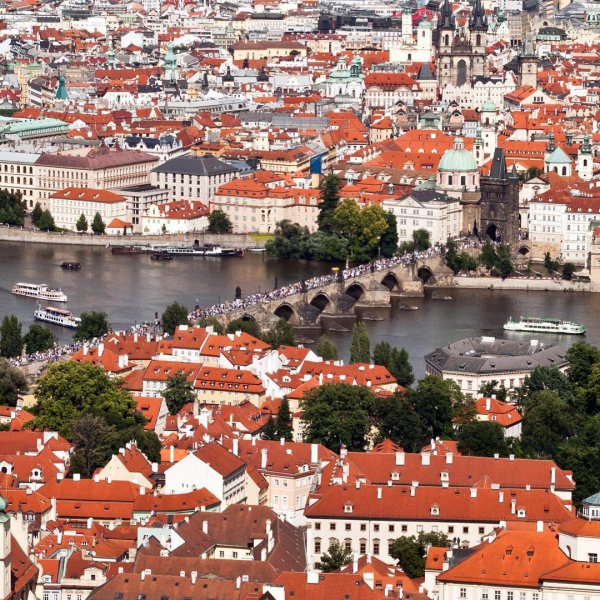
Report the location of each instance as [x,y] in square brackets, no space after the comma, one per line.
[391,528]
[481,530]
[463,592]
[497,594]
[363,526]
[376,527]
[363,546]
[235,554]
[317,546]
[404,528]
[510,595]
[318,526]
[593,557]
[450,528]
[465,530]
[375,547]
[484,595]
[348,527]
[419,528]
[221,553]
[522,595]
[332,526]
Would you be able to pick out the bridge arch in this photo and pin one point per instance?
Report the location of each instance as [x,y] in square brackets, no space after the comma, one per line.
[247,317]
[355,290]
[286,312]
[321,301]
[524,249]
[425,274]
[391,281]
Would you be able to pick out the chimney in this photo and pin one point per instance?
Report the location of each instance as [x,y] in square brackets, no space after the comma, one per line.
[511,457]
[379,493]
[172,454]
[552,475]
[312,577]
[539,526]
[100,349]
[194,576]
[355,563]
[358,484]
[314,454]
[282,441]
[400,456]
[142,490]
[263,458]
[513,506]
[76,477]
[238,582]
[473,492]
[500,497]
[449,458]
[413,490]
[425,459]
[488,404]
[205,527]
[236,446]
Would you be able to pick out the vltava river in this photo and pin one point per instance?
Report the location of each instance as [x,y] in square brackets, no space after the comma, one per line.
[131,288]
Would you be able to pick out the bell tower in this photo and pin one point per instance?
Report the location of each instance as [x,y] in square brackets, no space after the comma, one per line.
[528,62]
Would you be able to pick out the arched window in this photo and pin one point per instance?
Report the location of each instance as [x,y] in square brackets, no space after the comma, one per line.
[447,40]
[564,170]
[478,40]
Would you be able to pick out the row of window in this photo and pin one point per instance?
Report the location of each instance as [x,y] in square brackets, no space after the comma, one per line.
[348,526]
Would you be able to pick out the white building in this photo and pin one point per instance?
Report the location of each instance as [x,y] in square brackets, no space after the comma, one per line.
[67,206]
[17,174]
[438,213]
[181,216]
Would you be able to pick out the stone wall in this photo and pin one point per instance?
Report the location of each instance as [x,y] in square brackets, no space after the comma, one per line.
[521,283]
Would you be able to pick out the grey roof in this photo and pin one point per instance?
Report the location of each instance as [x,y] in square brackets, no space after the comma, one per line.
[202,166]
[284,121]
[498,170]
[488,355]
[425,73]
[424,196]
[594,499]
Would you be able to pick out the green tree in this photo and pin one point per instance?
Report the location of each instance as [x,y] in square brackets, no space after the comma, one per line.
[581,357]
[547,421]
[410,552]
[451,256]
[11,337]
[175,314]
[46,221]
[219,222]
[568,270]
[504,265]
[12,383]
[93,324]
[178,392]
[382,354]
[336,414]
[326,349]
[213,322]
[325,246]
[12,208]
[400,367]
[82,224]
[360,345]
[38,339]
[70,389]
[488,257]
[248,326]
[36,213]
[285,428]
[551,265]
[269,431]
[290,241]
[547,378]
[98,226]
[389,238]
[336,556]
[91,437]
[591,392]
[280,334]
[467,262]
[396,419]
[482,438]
[148,443]
[330,197]
[436,401]
[421,239]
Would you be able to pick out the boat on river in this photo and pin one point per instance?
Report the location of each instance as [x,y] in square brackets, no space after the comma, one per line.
[56,316]
[544,325]
[160,256]
[196,250]
[71,266]
[41,291]
[130,249]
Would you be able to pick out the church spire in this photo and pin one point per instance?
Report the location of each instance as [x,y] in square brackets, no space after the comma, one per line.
[447,20]
[478,18]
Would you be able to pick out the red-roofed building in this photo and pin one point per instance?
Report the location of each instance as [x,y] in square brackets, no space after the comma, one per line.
[129,464]
[503,413]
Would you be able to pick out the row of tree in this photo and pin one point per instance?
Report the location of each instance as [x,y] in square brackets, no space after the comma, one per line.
[497,259]
[345,231]
[44,220]
[12,209]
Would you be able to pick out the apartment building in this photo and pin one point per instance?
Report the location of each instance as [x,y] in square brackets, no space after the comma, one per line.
[17,174]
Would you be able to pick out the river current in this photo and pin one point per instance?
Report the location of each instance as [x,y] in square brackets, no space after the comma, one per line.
[132,288]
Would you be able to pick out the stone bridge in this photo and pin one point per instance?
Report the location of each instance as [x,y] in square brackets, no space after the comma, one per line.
[374,289]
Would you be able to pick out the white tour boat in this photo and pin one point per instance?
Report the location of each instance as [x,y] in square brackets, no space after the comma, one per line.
[41,291]
[542,325]
[56,316]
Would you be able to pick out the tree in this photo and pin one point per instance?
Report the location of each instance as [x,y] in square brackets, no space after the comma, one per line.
[400,367]
[93,324]
[568,270]
[436,401]
[91,437]
[12,208]
[12,383]
[219,222]
[421,239]
[396,419]
[269,431]
[280,334]
[148,443]
[547,378]
[482,438]
[336,556]
[581,357]
[410,552]
[70,389]
[382,354]
[389,238]
[248,326]
[551,265]
[326,349]
[467,262]
[452,259]
[290,241]
[330,197]
[178,392]
[98,226]
[488,257]
[504,264]
[46,221]
[285,428]
[11,338]
[36,213]
[325,246]
[217,326]
[336,414]
[175,314]
[360,350]
[82,224]
[38,339]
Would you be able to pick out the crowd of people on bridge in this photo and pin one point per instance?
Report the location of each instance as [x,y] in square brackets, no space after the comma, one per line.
[337,275]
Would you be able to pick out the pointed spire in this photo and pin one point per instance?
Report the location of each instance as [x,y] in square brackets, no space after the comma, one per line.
[447,20]
[586,148]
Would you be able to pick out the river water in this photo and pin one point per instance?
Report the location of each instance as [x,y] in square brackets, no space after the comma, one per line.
[131,288]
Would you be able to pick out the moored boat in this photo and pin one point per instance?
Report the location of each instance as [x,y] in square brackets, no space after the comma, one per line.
[160,256]
[71,266]
[129,249]
[56,316]
[544,325]
[41,291]
[196,250]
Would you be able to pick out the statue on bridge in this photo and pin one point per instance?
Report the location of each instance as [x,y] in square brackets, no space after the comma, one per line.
[238,293]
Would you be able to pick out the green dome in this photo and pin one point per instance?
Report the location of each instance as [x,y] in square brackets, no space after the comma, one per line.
[458,160]
[488,106]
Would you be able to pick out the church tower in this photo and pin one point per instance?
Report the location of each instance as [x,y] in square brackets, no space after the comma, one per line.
[407,26]
[499,208]
[528,62]
[5,551]
[446,31]
[585,162]
[478,26]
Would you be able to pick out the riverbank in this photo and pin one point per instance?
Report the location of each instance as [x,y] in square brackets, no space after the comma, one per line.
[31,236]
[525,284]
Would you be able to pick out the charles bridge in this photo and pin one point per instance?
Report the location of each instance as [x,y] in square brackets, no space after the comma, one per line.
[362,288]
